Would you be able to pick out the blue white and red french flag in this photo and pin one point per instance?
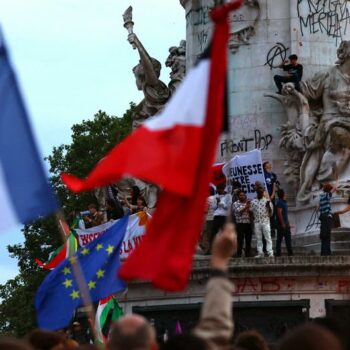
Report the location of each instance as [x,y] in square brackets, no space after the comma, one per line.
[174,150]
[25,193]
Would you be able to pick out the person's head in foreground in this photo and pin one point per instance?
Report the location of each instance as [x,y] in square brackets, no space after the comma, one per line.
[185,342]
[132,332]
[250,340]
[310,337]
[13,344]
[46,340]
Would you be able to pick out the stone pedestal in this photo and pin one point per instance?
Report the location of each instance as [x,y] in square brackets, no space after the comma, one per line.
[267,292]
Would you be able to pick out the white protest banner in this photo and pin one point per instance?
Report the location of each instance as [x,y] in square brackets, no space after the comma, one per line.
[88,235]
[133,235]
[246,168]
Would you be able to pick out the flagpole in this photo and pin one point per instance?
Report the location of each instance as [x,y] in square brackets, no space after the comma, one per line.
[64,230]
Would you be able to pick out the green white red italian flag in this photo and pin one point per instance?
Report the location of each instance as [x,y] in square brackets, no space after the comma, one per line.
[64,251]
[105,307]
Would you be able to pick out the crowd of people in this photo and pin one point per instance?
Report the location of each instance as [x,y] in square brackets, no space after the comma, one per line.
[214,330]
[115,208]
[263,215]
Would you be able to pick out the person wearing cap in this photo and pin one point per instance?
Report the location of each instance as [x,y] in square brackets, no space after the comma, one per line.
[294,73]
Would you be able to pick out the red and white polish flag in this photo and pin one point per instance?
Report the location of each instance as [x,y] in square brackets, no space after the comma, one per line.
[174,150]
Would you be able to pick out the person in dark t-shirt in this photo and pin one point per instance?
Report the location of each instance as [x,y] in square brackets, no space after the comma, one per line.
[294,73]
[283,227]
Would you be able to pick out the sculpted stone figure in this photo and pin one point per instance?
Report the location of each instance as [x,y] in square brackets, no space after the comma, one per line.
[177,62]
[327,136]
[297,110]
[147,74]
[320,134]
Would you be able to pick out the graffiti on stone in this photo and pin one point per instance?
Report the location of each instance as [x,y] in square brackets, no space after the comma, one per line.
[277,53]
[330,17]
[245,144]
[314,222]
[199,19]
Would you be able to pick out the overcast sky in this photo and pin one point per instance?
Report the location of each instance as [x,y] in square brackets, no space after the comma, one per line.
[72,59]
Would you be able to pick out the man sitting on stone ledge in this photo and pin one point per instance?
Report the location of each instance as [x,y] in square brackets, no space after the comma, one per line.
[294,75]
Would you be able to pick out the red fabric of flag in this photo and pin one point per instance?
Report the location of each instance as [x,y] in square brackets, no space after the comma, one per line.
[175,150]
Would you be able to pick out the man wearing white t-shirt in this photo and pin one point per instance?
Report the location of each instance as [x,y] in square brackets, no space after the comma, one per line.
[220,205]
[262,208]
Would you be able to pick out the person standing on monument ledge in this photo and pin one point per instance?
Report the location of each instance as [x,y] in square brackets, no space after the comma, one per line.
[262,210]
[294,75]
[271,185]
[242,216]
[220,205]
[283,227]
[326,217]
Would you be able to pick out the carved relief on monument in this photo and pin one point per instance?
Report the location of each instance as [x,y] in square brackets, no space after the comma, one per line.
[244,21]
[176,61]
[317,133]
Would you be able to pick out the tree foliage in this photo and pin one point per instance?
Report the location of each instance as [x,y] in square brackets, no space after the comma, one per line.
[91,140]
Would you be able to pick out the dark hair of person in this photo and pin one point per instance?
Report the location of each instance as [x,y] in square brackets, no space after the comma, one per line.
[92,206]
[236,184]
[239,192]
[185,342]
[138,340]
[211,191]
[88,347]
[9,343]
[110,203]
[44,340]
[336,327]
[293,57]
[264,164]
[327,187]
[309,337]
[280,193]
[251,340]
[136,192]
[221,186]
[143,200]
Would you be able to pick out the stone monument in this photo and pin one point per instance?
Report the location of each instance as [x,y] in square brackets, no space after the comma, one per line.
[263,34]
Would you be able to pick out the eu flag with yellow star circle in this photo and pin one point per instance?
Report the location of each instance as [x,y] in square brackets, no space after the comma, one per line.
[59,294]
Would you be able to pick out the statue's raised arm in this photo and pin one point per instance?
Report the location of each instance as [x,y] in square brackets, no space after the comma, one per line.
[147,74]
[151,74]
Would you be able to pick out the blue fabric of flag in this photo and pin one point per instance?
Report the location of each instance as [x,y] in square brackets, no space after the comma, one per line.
[26,182]
[59,295]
